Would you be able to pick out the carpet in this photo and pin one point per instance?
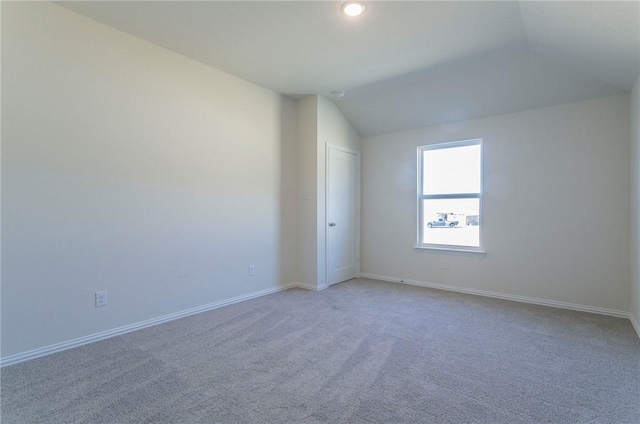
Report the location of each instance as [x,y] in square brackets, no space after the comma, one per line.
[359,352]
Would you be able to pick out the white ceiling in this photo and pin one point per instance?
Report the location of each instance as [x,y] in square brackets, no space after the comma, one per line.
[403,64]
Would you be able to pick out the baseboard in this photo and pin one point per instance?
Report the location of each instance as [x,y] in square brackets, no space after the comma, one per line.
[309,286]
[305,286]
[59,347]
[636,325]
[498,295]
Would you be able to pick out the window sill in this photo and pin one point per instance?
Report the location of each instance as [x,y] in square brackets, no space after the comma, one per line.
[454,250]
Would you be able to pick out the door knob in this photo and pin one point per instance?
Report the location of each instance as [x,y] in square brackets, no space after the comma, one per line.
[332,224]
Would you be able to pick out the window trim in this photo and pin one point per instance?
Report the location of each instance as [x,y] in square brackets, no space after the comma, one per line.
[419,197]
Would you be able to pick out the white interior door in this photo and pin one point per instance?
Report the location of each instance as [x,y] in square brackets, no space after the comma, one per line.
[342,215]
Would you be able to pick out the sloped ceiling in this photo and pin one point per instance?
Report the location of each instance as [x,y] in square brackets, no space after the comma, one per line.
[403,64]
[490,84]
[600,38]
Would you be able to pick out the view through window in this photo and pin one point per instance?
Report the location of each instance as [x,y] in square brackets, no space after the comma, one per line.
[450,194]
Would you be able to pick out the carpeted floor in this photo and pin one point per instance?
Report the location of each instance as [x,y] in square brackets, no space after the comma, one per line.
[358,352]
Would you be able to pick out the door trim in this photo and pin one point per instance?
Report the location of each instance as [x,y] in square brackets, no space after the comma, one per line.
[328,147]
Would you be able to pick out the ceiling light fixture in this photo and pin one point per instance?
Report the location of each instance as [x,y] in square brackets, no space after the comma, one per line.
[353,8]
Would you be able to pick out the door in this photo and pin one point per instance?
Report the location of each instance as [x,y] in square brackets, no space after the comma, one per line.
[342,215]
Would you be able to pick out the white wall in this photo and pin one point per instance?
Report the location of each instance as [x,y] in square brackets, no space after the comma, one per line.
[635,205]
[556,205]
[307,125]
[129,168]
[319,122]
[334,129]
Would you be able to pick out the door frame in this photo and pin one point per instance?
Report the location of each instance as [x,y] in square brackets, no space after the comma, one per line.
[328,147]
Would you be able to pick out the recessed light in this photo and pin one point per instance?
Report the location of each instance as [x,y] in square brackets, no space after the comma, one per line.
[353,8]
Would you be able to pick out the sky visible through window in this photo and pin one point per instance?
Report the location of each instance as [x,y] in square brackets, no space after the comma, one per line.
[452,171]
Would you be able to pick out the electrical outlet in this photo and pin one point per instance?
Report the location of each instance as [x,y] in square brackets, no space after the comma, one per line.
[252,270]
[101,298]
[445,264]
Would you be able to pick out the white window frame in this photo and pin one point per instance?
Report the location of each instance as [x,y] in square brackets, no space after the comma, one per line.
[420,197]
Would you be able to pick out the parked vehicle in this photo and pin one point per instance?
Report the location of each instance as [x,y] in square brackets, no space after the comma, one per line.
[440,222]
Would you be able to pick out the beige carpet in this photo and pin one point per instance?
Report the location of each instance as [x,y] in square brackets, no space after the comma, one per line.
[359,352]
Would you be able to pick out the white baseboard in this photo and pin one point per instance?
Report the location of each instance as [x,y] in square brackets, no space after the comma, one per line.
[306,286]
[59,347]
[309,286]
[524,299]
[635,324]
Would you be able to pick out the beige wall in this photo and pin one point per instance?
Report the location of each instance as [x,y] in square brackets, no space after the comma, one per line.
[635,205]
[129,168]
[555,214]
[288,187]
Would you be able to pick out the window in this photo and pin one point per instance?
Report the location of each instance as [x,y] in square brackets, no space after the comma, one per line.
[450,195]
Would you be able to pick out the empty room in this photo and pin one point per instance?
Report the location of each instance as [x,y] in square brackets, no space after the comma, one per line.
[320,212]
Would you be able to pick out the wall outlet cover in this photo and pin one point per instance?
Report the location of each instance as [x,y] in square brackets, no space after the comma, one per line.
[101,298]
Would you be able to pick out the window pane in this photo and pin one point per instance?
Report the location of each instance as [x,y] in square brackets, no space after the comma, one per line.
[451,170]
[455,222]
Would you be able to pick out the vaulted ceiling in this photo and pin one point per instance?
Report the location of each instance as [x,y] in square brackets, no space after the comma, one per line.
[402,64]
